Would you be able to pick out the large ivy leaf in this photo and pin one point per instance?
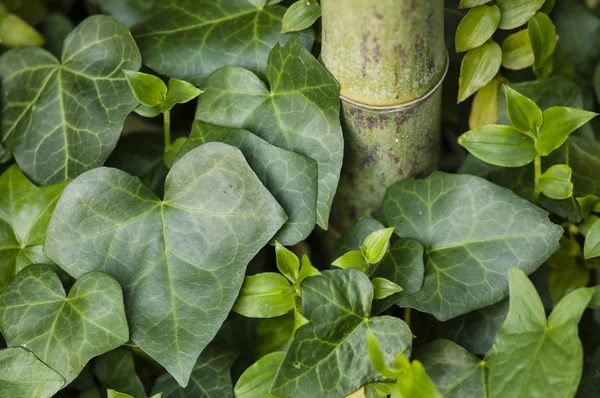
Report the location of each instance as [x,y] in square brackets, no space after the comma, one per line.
[473,232]
[456,372]
[180,261]
[291,178]
[353,238]
[116,370]
[328,356]
[189,39]
[23,375]
[298,111]
[533,356]
[63,118]
[25,212]
[210,378]
[64,331]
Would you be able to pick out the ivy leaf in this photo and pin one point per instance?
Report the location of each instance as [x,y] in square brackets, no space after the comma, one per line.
[353,238]
[116,370]
[516,51]
[456,372]
[63,331]
[61,119]
[460,219]
[25,212]
[23,375]
[213,199]
[478,68]
[211,377]
[189,39]
[256,381]
[299,111]
[291,178]
[559,122]
[328,356]
[476,27]
[516,12]
[537,345]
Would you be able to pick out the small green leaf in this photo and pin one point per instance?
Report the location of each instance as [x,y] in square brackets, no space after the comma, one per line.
[484,109]
[287,262]
[559,122]
[306,270]
[516,12]
[416,383]
[523,113]
[542,35]
[471,3]
[383,288]
[300,15]
[14,32]
[376,244]
[499,145]
[377,358]
[353,259]
[265,295]
[256,381]
[587,204]
[476,27]
[179,92]
[591,248]
[23,375]
[556,182]
[148,111]
[299,320]
[353,238]
[478,67]
[516,51]
[148,89]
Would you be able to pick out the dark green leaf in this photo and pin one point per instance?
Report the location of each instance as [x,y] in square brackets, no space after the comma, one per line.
[213,199]
[128,12]
[33,11]
[299,111]
[265,295]
[556,183]
[274,334]
[548,353]
[328,356]
[478,67]
[353,238]
[64,331]
[559,122]
[301,15]
[61,119]
[256,381]
[565,273]
[523,113]
[116,370]
[55,29]
[460,220]
[592,242]
[477,27]
[23,375]
[189,39]
[25,212]
[516,12]
[542,36]
[516,51]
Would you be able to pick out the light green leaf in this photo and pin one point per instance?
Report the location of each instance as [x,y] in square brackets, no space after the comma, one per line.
[212,199]
[472,3]
[383,288]
[116,370]
[274,334]
[559,122]
[591,247]
[542,36]
[377,358]
[353,238]
[376,244]
[549,353]
[180,92]
[23,375]
[416,383]
[25,212]
[352,260]
[516,12]
[328,356]
[478,67]
[548,6]
[306,270]
[64,331]
[499,145]
[460,219]
[116,394]
[587,204]
[14,32]
[556,182]
[301,15]
[256,381]
[516,51]
[484,109]
[287,262]
[61,119]
[210,377]
[148,89]
[189,39]
[523,113]
[456,372]
[476,27]
[291,178]
[298,111]
[265,295]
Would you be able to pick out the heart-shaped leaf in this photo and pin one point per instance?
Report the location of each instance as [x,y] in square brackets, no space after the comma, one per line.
[328,356]
[189,39]
[61,119]
[476,27]
[63,331]
[25,212]
[181,261]
[116,370]
[478,68]
[298,111]
[516,12]
[556,182]
[516,51]
[460,220]
[23,375]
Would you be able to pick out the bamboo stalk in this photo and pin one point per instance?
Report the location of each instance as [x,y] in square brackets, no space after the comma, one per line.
[389,58]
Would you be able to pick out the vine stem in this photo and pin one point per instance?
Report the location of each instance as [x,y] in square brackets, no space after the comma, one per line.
[407,316]
[167,129]
[537,190]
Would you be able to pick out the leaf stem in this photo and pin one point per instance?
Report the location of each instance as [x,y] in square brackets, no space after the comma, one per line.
[537,190]
[407,316]
[167,129]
